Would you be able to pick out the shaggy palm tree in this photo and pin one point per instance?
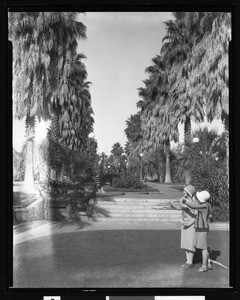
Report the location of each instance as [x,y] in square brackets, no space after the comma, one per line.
[133,130]
[158,123]
[183,34]
[134,136]
[44,44]
[116,156]
[211,73]
[72,123]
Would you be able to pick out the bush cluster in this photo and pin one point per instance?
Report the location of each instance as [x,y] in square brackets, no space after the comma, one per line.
[18,165]
[127,182]
[215,180]
[72,189]
[108,177]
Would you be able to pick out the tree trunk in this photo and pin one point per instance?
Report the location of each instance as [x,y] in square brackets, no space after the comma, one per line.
[187,176]
[226,131]
[187,131]
[54,136]
[28,186]
[168,171]
[55,128]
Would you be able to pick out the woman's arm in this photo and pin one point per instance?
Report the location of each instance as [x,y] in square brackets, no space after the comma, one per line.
[198,207]
[177,207]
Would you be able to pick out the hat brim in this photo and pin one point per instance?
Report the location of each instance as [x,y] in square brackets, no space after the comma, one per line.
[185,190]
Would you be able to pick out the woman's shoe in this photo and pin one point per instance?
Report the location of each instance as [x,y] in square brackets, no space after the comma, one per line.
[210,267]
[187,266]
[202,269]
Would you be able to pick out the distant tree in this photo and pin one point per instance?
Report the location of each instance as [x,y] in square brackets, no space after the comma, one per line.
[116,158]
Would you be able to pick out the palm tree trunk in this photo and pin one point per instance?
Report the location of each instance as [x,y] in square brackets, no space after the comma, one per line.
[226,131]
[168,171]
[187,131]
[187,142]
[54,135]
[28,186]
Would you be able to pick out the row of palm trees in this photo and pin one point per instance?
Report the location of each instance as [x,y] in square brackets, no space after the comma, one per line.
[49,79]
[188,81]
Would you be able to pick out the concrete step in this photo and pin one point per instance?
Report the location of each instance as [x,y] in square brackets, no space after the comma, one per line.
[137,213]
[139,219]
[135,210]
[133,207]
[120,200]
[109,203]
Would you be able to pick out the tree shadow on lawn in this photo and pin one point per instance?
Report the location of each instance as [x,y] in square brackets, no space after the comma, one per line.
[80,219]
[214,254]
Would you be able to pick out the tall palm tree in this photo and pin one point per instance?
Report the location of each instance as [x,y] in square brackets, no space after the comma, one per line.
[133,130]
[134,147]
[72,123]
[76,121]
[116,155]
[159,124]
[44,44]
[210,70]
[183,34]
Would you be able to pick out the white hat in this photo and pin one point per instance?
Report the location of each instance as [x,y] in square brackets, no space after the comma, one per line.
[203,196]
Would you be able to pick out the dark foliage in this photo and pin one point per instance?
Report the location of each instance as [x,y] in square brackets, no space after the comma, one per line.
[215,180]
[127,182]
[108,177]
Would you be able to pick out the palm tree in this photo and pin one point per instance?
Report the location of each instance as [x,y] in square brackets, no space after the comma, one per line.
[133,130]
[116,156]
[213,70]
[72,124]
[75,120]
[183,34]
[43,46]
[159,123]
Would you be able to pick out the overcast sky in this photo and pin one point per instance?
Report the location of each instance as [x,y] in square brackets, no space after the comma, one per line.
[119,47]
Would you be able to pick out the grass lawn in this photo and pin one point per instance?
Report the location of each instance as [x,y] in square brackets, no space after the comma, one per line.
[115,259]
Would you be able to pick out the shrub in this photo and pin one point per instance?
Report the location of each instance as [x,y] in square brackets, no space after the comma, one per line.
[205,162]
[107,178]
[215,180]
[127,182]
[18,165]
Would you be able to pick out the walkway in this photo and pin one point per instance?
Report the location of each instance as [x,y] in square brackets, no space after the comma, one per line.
[168,191]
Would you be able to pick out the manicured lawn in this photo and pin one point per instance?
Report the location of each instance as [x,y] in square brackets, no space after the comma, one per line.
[115,258]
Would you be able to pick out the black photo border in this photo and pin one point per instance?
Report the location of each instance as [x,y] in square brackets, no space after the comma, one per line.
[6,153]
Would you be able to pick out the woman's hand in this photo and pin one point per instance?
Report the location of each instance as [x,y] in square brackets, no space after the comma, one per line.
[184,200]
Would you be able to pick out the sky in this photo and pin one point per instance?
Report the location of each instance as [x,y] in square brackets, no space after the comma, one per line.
[119,47]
